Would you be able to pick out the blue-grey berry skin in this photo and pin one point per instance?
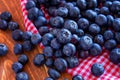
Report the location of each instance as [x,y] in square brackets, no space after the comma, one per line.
[115,7]
[3,25]
[86,42]
[83,23]
[110,20]
[105,10]
[48,51]
[60,64]
[36,39]
[99,39]
[90,14]
[17,67]
[82,4]
[27,45]
[23,59]
[17,35]
[49,62]
[97,69]
[64,36]
[13,25]
[108,34]
[72,62]
[71,25]
[83,54]
[101,20]
[18,48]
[22,76]
[55,44]
[6,16]
[77,77]
[110,44]
[95,50]
[74,12]
[30,4]
[117,37]
[56,22]
[48,78]
[26,35]
[69,49]
[62,11]
[94,29]
[39,59]
[46,39]
[3,49]
[92,4]
[115,56]
[53,73]
[116,24]
[58,53]
[43,30]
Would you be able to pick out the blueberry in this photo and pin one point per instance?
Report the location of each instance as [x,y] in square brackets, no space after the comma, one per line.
[110,20]
[72,62]
[95,50]
[71,25]
[39,60]
[48,78]
[17,67]
[105,10]
[27,45]
[116,24]
[22,76]
[13,25]
[69,49]
[94,29]
[41,1]
[74,12]
[117,37]
[26,35]
[60,64]
[3,25]
[62,11]
[23,59]
[17,35]
[115,7]
[49,62]
[68,5]
[92,4]
[48,51]
[99,39]
[75,39]
[101,20]
[97,10]
[97,69]
[86,42]
[55,44]
[52,11]
[110,44]
[53,73]
[36,39]
[18,48]
[40,21]
[34,13]
[46,39]
[54,31]
[6,16]
[108,4]
[30,4]
[83,54]
[115,56]
[90,14]
[82,4]
[58,53]
[64,36]
[43,30]
[83,23]
[3,49]
[108,34]
[77,77]
[80,32]
[56,22]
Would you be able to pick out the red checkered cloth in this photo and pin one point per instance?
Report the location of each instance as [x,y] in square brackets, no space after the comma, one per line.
[112,71]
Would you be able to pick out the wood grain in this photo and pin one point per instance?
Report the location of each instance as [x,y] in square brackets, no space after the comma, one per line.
[6,73]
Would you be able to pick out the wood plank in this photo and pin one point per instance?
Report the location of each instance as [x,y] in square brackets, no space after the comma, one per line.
[6,73]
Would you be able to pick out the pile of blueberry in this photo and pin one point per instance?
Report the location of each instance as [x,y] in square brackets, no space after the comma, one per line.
[25,41]
[78,29]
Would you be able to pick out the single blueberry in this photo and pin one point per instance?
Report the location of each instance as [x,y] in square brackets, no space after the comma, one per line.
[6,16]
[77,77]
[83,54]
[30,4]
[49,62]
[82,4]
[99,39]
[27,46]
[55,44]
[36,39]
[17,67]
[3,49]
[22,76]
[13,25]
[108,34]
[94,29]
[26,35]
[18,48]
[3,25]
[17,35]
[48,51]
[43,30]
[23,59]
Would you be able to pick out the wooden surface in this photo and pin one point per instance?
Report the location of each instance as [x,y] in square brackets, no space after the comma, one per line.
[6,73]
